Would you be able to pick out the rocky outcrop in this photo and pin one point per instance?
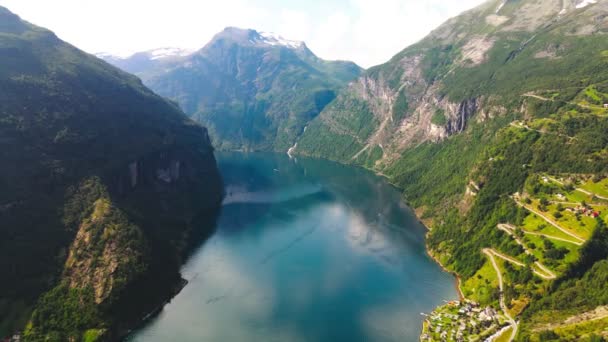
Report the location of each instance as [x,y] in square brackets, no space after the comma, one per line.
[107,253]
[413,112]
[474,52]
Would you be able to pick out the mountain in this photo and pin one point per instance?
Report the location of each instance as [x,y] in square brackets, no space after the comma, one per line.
[105,186]
[428,91]
[146,60]
[254,91]
[494,126]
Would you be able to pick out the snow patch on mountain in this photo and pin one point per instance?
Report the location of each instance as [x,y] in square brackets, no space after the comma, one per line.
[155,54]
[585,3]
[274,39]
[169,52]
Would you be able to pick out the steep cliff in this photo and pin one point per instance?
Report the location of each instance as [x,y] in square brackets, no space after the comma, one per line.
[104,184]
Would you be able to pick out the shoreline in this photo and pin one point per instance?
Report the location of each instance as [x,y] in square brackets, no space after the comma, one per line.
[426,245]
[456,276]
[124,336]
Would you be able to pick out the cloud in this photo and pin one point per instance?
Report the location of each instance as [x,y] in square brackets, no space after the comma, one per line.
[294,24]
[366,31]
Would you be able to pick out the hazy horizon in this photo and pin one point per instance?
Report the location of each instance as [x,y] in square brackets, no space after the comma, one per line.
[333,29]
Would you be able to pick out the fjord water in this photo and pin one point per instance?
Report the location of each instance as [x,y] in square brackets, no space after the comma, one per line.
[305,250]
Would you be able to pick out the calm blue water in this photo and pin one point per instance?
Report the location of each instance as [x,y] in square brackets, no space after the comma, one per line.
[305,250]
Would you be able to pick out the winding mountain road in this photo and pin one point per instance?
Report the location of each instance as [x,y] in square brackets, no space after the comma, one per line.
[551,222]
[586,192]
[503,306]
[549,275]
[553,238]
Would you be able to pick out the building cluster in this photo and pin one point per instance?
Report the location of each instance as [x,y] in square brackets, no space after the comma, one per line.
[460,320]
[581,210]
[15,338]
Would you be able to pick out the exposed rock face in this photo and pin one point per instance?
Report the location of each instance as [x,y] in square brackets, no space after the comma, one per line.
[106,253]
[399,127]
[427,93]
[474,52]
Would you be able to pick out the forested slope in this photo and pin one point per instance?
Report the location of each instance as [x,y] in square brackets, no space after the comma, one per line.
[497,117]
[104,186]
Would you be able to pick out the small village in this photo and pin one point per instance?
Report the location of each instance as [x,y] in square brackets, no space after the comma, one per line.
[462,321]
[562,214]
[15,338]
[586,211]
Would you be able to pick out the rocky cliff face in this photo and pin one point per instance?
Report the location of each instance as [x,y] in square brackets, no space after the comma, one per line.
[432,89]
[105,186]
[105,254]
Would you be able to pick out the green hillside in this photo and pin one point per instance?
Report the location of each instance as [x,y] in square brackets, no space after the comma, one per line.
[104,186]
[253,91]
[466,122]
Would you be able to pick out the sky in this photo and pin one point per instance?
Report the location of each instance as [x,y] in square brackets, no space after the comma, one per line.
[368,32]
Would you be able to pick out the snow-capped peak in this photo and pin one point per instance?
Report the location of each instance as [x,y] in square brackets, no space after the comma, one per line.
[275,39]
[155,54]
[585,3]
[168,52]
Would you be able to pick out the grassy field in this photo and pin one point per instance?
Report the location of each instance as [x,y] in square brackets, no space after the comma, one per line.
[583,228]
[557,266]
[482,285]
[517,306]
[505,337]
[575,332]
[599,188]
[584,329]
[571,197]
[534,223]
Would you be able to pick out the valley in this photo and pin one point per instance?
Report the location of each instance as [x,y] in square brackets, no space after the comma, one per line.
[305,254]
[492,128]
[476,148]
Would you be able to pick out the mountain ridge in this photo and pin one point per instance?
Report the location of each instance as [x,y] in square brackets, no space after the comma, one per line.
[407,69]
[254,91]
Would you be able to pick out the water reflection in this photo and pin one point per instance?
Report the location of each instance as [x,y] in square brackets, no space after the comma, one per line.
[305,251]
